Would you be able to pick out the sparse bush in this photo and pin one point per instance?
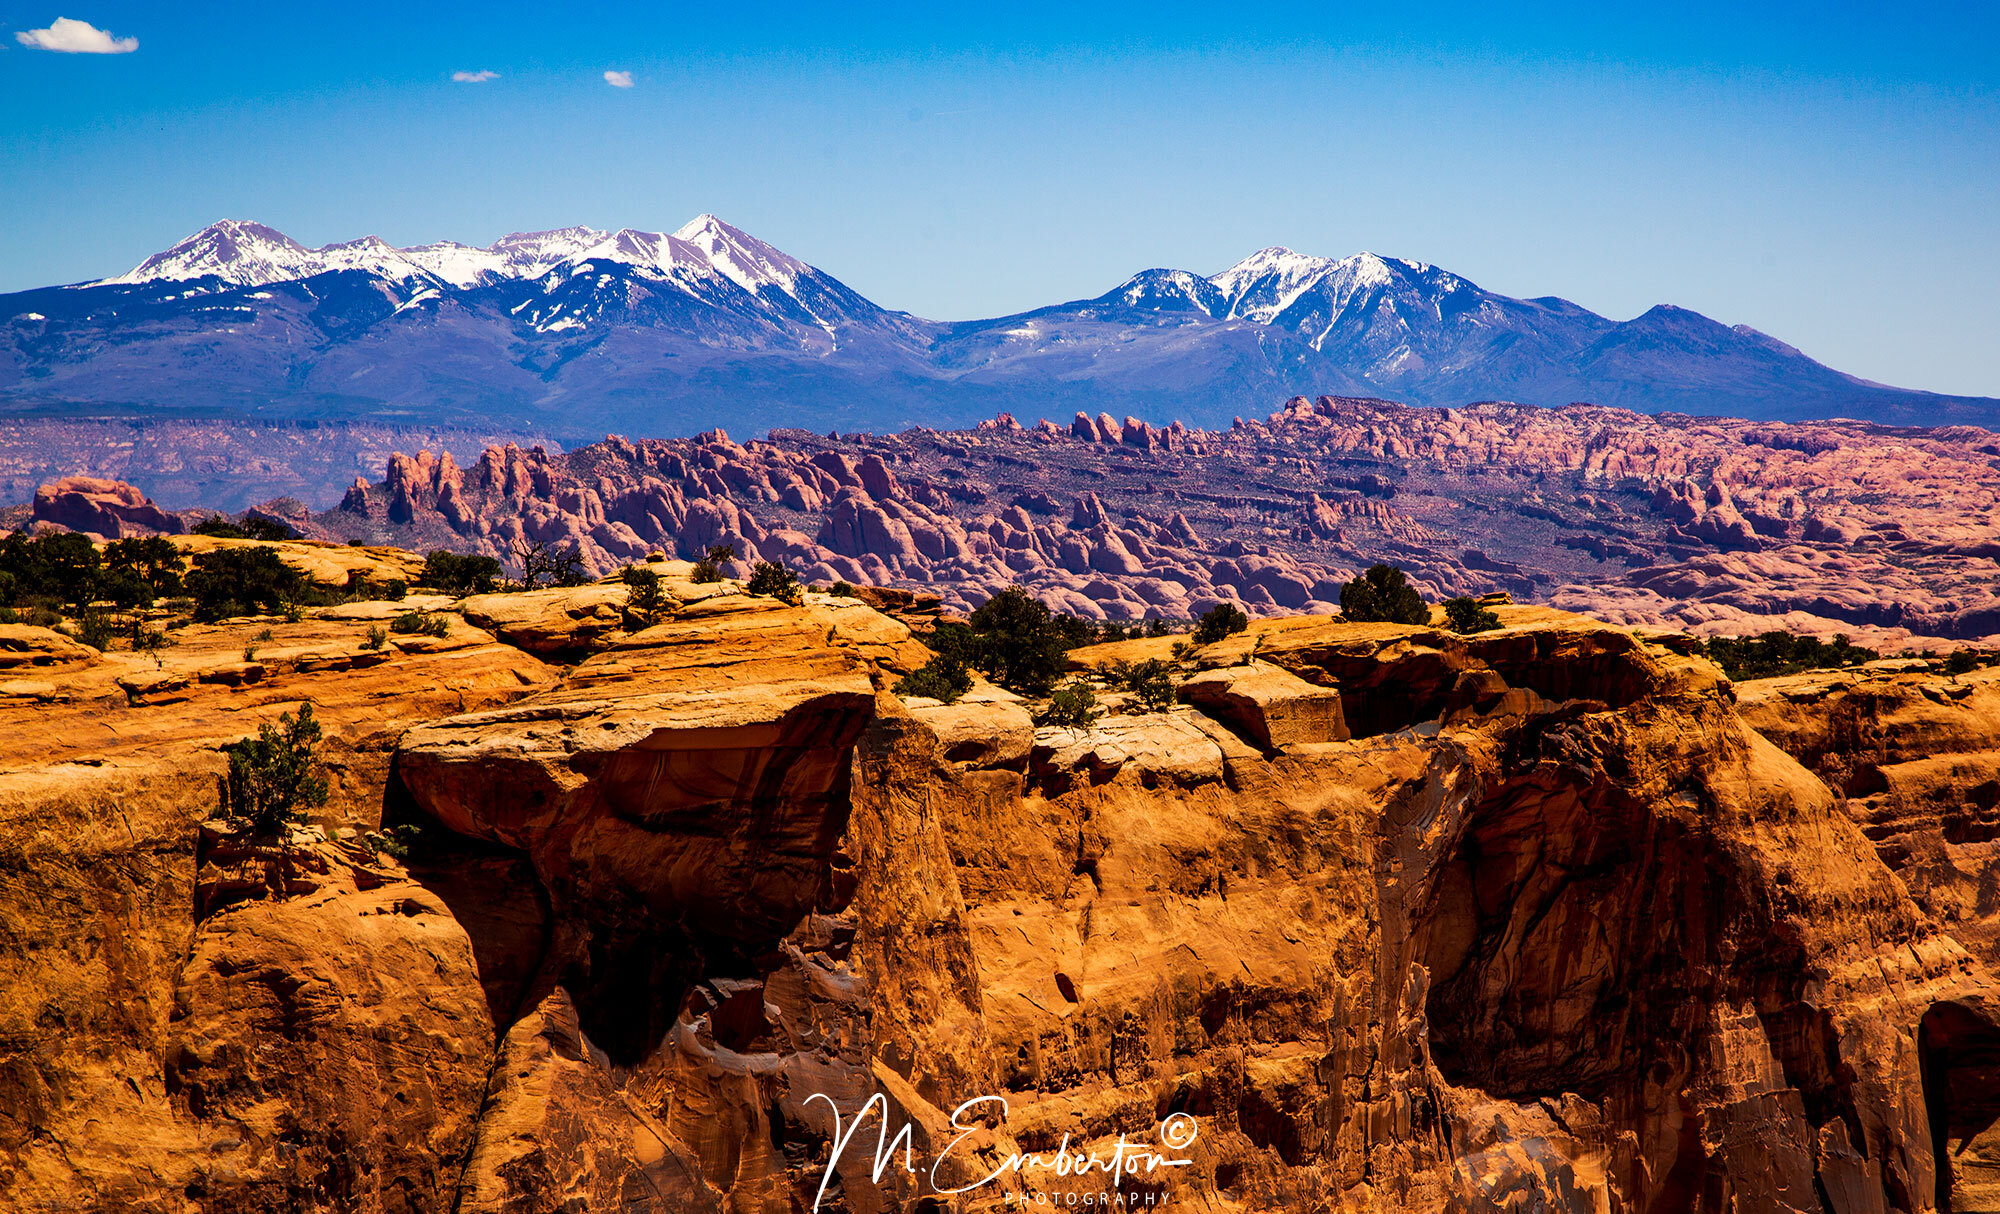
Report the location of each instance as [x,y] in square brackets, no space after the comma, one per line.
[396,589]
[150,642]
[377,638]
[1775,653]
[242,581]
[944,678]
[709,567]
[219,527]
[94,630]
[1383,595]
[274,777]
[292,611]
[1074,705]
[1219,621]
[1113,630]
[1156,627]
[420,623]
[459,574]
[842,590]
[774,580]
[1151,682]
[260,527]
[249,653]
[1961,661]
[1464,615]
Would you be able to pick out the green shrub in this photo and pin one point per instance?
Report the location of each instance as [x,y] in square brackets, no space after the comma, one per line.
[774,580]
[242,581]
[944,678]
[1020,641]
[397,589]
[841,590]
[1383,595]
[1074,705]
[1219,621]
[274,777]
[1464,615]
[421,623]
[1156,627]
[459,574]
[377,637]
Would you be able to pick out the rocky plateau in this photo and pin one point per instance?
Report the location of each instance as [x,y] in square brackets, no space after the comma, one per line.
[1550,917]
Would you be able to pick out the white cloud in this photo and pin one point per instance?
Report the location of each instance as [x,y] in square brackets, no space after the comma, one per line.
[474,77]
[73,37]
[618,80]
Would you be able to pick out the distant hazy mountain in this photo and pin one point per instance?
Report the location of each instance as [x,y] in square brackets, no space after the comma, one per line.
[576,331]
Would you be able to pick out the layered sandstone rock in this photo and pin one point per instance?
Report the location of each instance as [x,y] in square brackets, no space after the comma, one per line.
[1554,929]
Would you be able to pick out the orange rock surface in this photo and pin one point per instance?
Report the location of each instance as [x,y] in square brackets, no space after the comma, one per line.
[1553,927]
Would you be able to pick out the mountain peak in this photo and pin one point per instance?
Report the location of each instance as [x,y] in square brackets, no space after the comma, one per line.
[741,257]
[235,250]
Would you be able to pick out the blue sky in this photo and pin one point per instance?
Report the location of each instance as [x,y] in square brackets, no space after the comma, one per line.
[1827,173]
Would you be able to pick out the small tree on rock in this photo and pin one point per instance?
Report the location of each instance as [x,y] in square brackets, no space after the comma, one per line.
[770,578]
[276,776]
[1021,642]
[944,678]
[709,567]
[1383,595]
[1073,705]
[642,590]
[1465,615]
[1219,621]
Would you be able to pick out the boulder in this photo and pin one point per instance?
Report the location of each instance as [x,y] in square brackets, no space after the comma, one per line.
[107,508]
[1270,706]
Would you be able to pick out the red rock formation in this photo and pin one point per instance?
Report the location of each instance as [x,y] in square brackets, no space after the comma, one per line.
[108,509]
[1714,525]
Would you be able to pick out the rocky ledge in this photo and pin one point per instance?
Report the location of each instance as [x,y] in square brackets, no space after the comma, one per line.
[1549,917]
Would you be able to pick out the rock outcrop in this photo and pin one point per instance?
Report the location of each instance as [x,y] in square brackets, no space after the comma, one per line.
[104,508]
[1554,928]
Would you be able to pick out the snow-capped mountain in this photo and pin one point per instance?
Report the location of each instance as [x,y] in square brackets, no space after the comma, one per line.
[577,330]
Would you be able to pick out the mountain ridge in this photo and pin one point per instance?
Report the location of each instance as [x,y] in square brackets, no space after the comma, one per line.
[577,330]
